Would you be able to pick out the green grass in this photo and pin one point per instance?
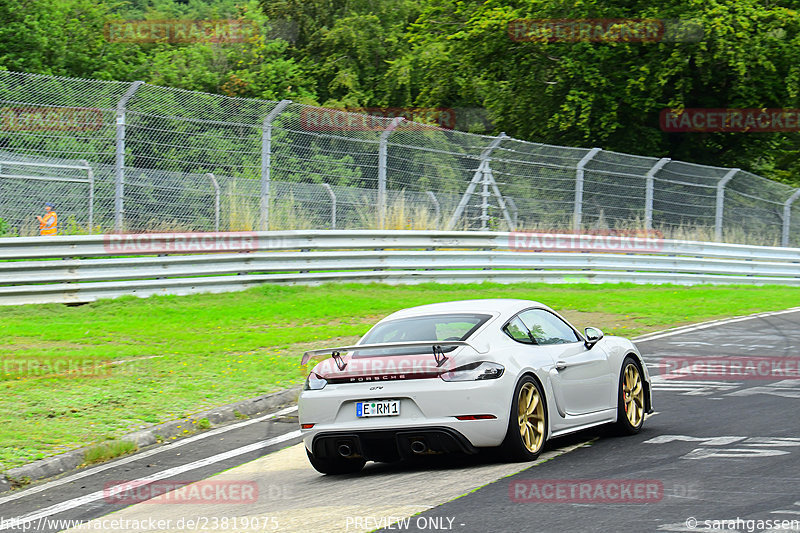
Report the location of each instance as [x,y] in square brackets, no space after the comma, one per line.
[73,376]
[109,450]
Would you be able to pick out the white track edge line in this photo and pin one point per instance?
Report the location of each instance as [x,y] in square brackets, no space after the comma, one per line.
[142,455]
[703,325]
[94,496]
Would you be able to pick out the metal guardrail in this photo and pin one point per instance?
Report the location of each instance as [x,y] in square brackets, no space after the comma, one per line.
[75,269]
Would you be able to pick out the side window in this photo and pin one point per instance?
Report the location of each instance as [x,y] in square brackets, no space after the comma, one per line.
[547,328]
[517,331]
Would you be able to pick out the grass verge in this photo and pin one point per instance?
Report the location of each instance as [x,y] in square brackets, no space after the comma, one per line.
[72,376]
[108,450]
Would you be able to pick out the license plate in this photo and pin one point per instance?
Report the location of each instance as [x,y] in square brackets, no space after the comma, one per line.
[377,408]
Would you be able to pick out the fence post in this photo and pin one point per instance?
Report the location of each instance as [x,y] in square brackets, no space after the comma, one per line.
[513,205]
[382,148]
[477,178]
[119,161]
[266,160]
[577,214]
[512,226]
[216,199]
[436,207]
[787,217]
[721,202]
[485,198]
[648,196]
[90,177]
[333,204]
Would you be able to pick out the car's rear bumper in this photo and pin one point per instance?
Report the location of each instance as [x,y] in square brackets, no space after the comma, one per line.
[390,444]
[425,404]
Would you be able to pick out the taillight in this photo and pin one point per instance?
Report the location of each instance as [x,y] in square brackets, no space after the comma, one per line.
[314,382]
[474,371]
[476,417]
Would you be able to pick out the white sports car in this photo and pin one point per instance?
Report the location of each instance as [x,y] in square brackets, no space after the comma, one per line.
[459,376]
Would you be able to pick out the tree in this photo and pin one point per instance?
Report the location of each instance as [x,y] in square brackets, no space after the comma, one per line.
[346,45]
[610,94]
[60,37]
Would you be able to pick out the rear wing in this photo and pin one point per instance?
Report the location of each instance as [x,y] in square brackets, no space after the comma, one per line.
[434,346]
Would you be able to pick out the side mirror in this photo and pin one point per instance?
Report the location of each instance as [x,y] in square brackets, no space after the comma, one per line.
[593,336]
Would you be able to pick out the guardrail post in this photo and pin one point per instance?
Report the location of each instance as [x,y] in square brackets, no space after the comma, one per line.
[119,161]
[90,177]
[721,202]
[382,149]
[477,177]
[436,207]
[333,204]
[648,196]
[787,217]
[216,199]
[577,211]
[266,160]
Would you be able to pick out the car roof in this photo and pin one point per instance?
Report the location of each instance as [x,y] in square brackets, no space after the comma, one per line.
[500,306]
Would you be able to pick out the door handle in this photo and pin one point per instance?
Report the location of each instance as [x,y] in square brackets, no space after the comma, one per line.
[561,365]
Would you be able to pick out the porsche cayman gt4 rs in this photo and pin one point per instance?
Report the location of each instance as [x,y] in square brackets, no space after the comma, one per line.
[461,376]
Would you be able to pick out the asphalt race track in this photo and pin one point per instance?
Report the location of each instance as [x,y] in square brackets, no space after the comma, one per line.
[720,454]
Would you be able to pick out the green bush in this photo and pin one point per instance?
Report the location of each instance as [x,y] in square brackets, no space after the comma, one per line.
[5,229]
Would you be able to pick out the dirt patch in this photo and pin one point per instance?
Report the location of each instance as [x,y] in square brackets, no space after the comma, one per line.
[301,347]
[19,345]
[610,323]
[356,320]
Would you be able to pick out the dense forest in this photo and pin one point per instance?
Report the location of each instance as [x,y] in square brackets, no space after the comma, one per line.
[455,54]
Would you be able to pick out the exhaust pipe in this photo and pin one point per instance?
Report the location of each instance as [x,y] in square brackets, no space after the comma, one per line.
[419,446]
[345,450]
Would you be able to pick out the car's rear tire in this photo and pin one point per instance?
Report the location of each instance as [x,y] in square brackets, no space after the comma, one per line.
[527,424]
[336,465]
[630,398]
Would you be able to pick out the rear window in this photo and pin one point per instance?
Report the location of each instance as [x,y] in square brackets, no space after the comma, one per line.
[450,327]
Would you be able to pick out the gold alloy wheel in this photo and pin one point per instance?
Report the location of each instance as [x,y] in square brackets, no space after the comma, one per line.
[530,411]
[633,395]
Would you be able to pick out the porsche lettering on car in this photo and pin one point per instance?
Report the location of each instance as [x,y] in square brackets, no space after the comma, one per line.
[462,376]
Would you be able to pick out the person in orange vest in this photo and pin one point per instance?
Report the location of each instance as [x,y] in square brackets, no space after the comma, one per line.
[48,225]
